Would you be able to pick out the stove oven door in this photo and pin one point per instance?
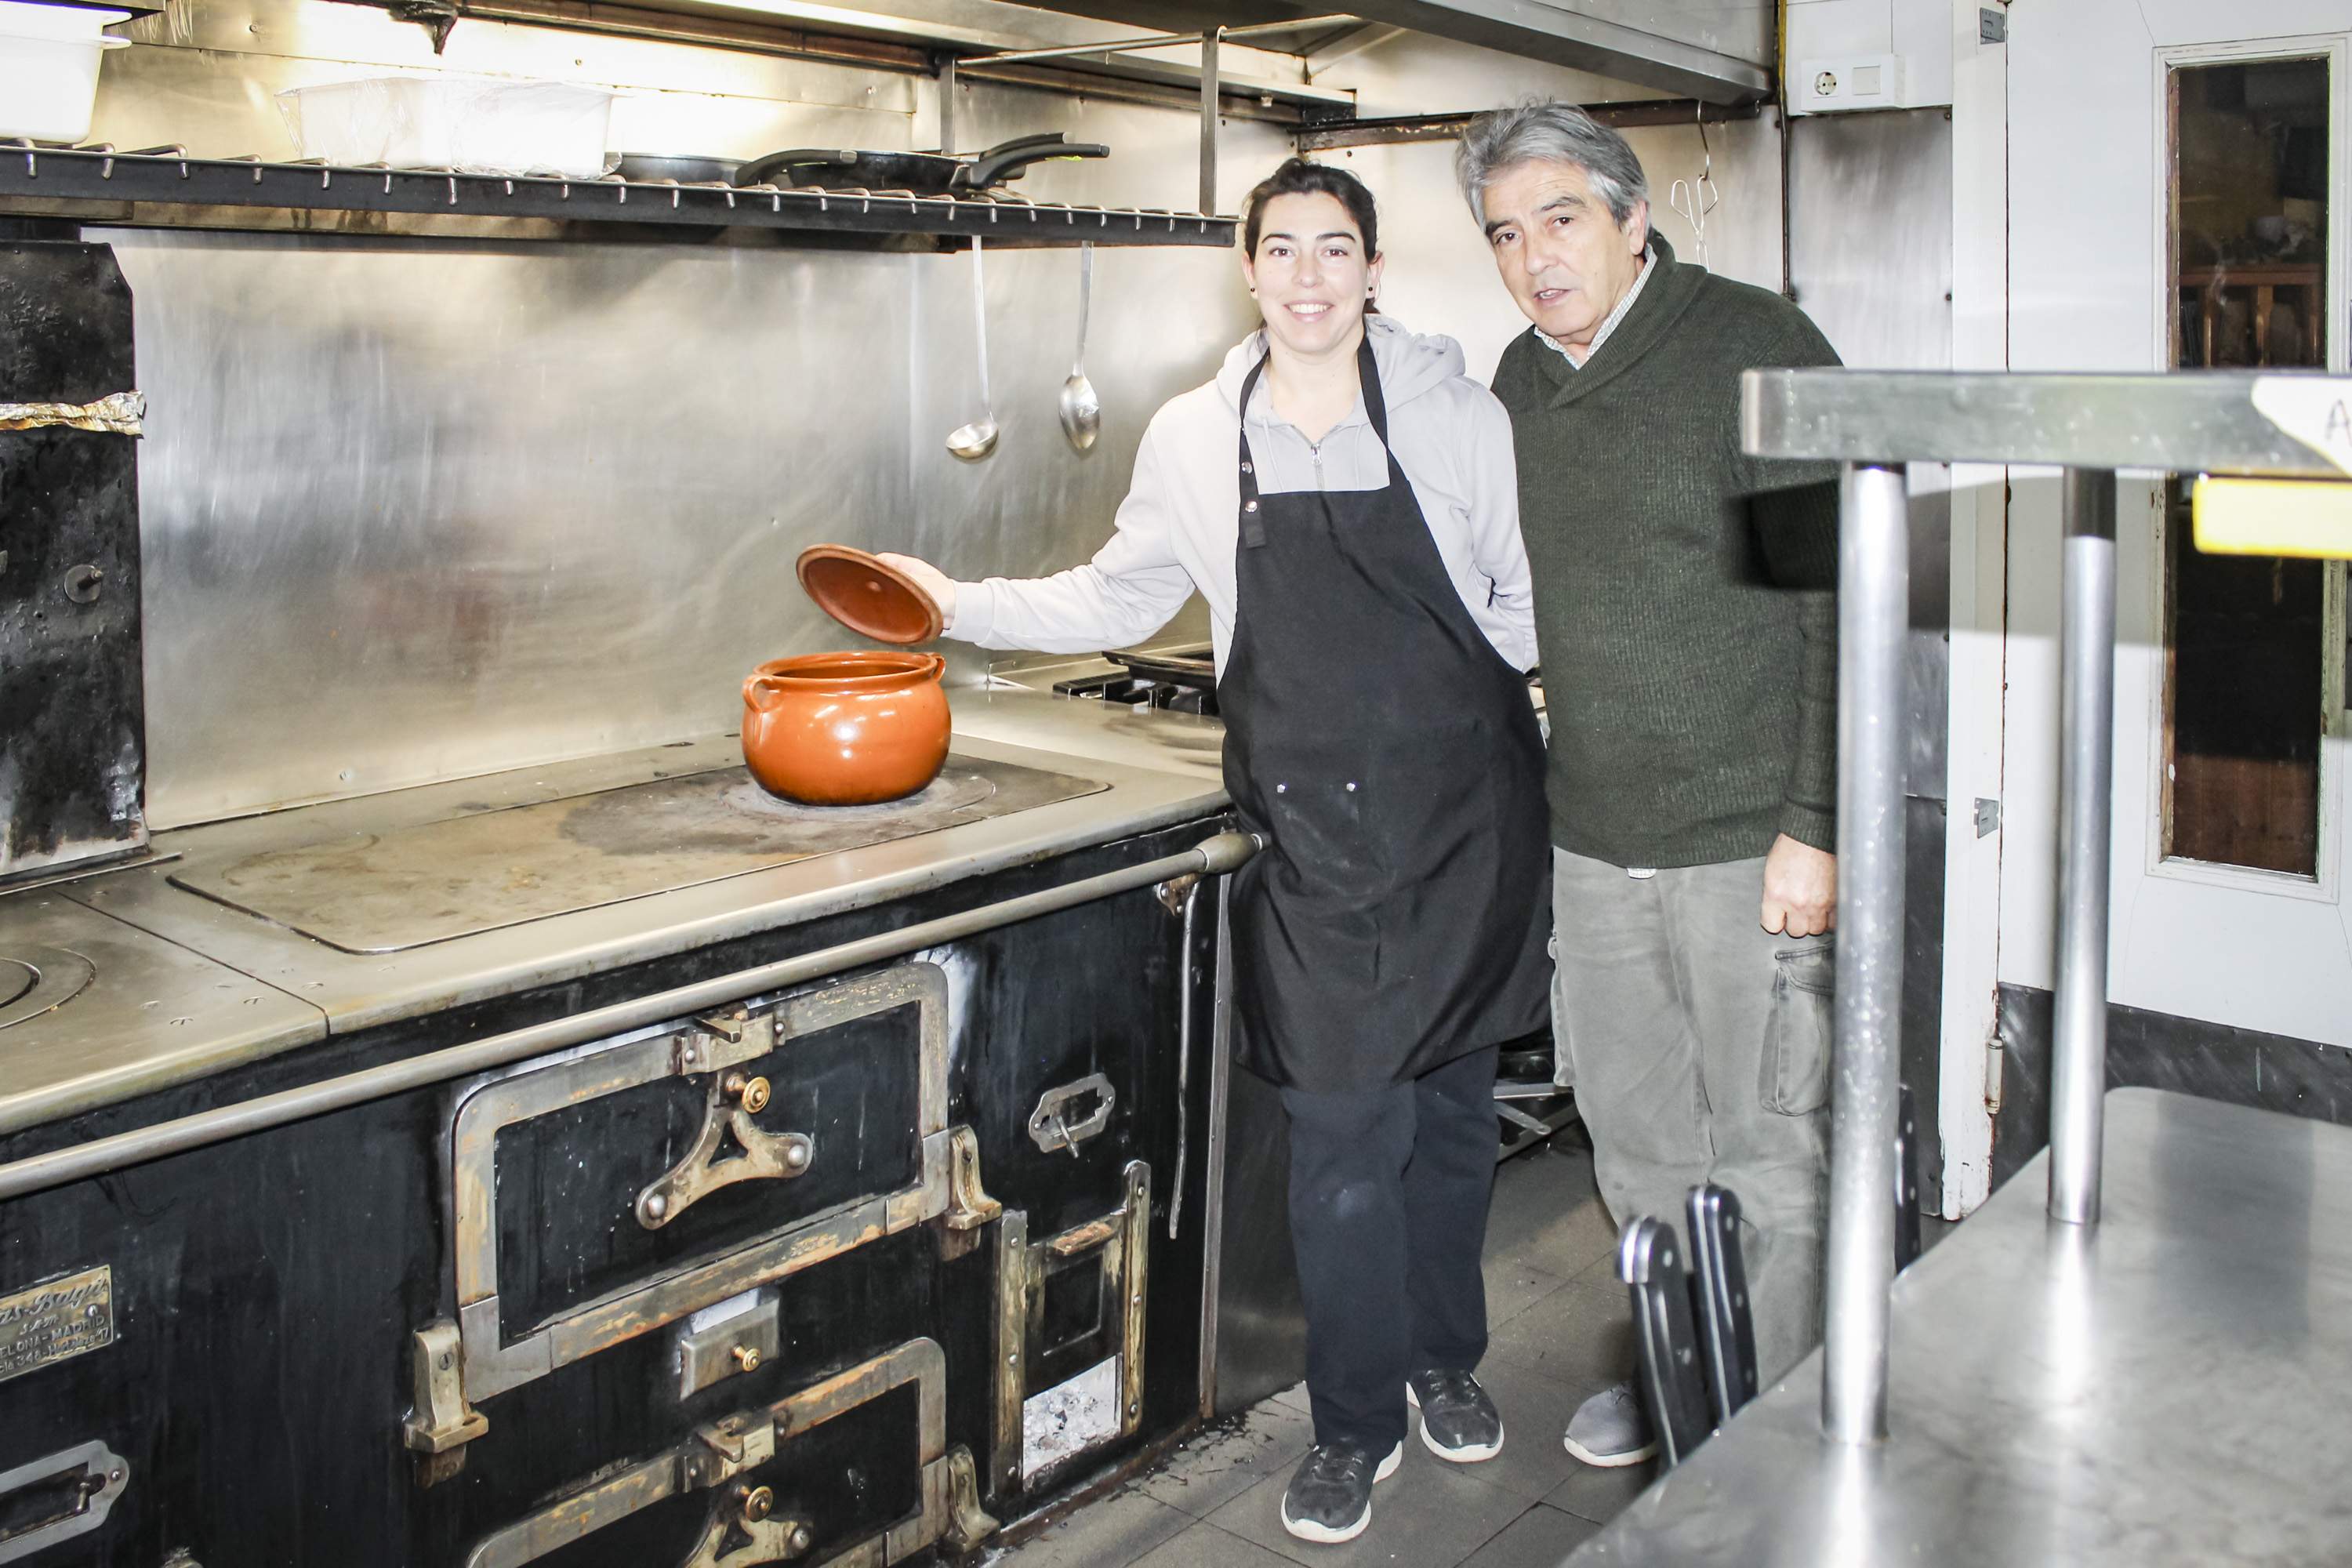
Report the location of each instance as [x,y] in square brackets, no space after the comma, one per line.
[854,1468]
[610,1193]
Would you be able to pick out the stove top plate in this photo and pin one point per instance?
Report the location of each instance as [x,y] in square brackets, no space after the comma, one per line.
[50,976]
[17,977]
[487,870]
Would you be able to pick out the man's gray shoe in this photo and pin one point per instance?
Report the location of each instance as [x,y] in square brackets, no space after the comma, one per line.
[1458,1422]
[1611,1429]
[1329,1499]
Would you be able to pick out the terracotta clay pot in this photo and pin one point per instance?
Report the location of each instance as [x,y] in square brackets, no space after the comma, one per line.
[846,728]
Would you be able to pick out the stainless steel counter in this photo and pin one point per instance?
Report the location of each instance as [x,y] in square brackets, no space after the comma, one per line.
[2167,1388]
[1158,769]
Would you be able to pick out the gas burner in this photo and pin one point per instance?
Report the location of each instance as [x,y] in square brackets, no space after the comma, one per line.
[37,980]
[1181,680]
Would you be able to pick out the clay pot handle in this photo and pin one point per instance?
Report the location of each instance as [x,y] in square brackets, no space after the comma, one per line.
[938,665]
[759,690]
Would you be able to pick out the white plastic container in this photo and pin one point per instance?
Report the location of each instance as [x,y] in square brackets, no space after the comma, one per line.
[49,69]
[454,122]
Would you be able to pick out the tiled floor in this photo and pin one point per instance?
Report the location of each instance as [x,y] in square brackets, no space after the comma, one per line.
[1559,1334]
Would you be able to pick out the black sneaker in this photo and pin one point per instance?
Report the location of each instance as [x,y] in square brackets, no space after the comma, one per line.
[1458,1421]
[1329,1499]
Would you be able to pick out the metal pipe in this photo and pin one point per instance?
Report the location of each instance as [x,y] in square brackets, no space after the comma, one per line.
[1303,25]
[1212,1174]
[2078,1069]
[1209,42]
[1210,857]
[947,107]
[1068,51]
[1156,41]
[1873,618]
[1183,1064]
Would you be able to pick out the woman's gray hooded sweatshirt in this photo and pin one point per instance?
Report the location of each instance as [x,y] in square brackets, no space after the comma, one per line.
[1177,528]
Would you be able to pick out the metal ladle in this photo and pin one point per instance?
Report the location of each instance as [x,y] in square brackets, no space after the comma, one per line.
[1081,409]
[976,440]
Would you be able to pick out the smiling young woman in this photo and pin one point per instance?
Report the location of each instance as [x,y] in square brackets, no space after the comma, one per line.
[1341,485]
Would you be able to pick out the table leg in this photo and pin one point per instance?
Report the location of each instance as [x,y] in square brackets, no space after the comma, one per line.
[1874,619]
[2078,1074]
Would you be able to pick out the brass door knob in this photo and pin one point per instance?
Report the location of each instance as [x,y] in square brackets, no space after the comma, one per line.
[751,1093]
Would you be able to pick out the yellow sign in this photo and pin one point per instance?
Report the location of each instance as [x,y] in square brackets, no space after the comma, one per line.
[2274,517]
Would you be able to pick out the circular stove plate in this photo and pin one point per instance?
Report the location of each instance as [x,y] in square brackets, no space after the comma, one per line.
[58,977]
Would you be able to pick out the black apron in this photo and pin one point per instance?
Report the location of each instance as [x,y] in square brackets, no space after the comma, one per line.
[1390,757]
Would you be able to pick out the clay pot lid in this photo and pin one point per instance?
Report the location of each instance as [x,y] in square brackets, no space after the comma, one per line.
[868,596]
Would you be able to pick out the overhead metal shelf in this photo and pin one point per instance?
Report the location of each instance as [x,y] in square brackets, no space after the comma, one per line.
[2208,421]
[168,188]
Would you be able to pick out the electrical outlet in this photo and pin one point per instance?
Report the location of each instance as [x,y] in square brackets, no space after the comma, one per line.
[1841,83]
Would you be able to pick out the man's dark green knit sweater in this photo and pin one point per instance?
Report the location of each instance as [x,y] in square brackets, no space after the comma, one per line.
[1684,593]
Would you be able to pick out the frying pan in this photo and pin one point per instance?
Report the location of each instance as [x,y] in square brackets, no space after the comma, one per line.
[644,168]
[1196,670]
[919,172]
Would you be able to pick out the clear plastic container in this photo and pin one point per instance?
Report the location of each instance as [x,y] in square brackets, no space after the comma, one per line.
[469,125]
[50,57]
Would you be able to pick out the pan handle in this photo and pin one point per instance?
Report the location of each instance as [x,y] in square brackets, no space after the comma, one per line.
[757,171]
[1001,162]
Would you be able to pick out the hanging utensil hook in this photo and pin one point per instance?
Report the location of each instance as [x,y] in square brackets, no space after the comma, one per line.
[1695,199]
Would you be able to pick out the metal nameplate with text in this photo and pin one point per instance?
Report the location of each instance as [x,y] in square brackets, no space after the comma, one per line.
[55,1320]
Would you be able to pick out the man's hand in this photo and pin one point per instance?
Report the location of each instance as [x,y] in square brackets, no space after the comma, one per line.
[1799,889]
[930,580]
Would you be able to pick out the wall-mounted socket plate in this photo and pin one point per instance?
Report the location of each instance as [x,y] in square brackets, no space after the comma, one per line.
[1841,83]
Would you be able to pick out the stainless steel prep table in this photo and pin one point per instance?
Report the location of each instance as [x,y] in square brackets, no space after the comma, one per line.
[2166,1388]
[1159,770]
[2159,1383]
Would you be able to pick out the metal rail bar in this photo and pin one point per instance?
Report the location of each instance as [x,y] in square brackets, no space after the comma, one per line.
[1211,857]
[2078,1071]
[1873,618]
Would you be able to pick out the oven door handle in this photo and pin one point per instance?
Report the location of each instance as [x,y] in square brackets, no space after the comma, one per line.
[1211,857]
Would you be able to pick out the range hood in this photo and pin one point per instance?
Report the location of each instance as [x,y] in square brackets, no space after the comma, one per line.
[1717,53]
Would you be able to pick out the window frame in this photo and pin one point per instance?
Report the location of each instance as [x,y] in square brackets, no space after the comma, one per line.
[2336,628]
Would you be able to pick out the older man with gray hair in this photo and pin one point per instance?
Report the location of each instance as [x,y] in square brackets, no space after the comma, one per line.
[1685,605]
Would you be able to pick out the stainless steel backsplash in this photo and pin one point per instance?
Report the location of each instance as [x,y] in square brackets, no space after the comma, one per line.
[416,509]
